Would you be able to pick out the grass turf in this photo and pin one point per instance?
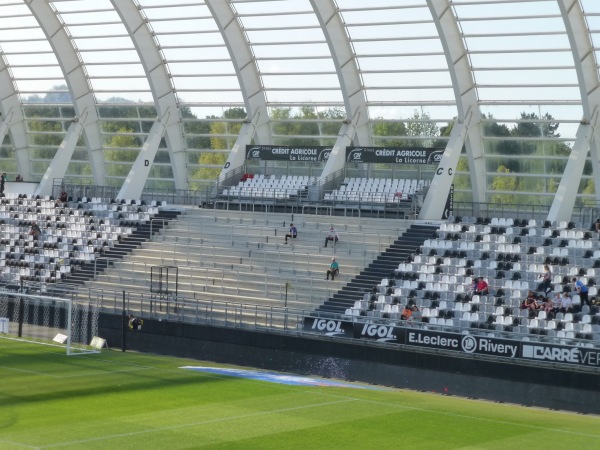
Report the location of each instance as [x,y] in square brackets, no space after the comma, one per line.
[130,400]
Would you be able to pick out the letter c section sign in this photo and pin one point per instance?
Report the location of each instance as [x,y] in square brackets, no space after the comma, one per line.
[440,170]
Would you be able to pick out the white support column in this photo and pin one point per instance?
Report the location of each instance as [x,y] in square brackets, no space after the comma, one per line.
[564,200]
[337,157]
[255,100]
[138,175]
[71,65]
[465,93]
[5,125]
[60,163]
[10,104]
[435,201]
[584,57]
[237,155]
[162,89]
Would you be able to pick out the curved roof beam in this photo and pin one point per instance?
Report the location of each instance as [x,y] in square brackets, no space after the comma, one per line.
[469,116]
[77,82]
[346,66]
[588,134]
[161,87]
[250,81]
[12,115]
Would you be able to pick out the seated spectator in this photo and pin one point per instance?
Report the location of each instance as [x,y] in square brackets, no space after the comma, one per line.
[293,234]
[63,197]
[333,270]
[416,314]
[597,225]
[472,286]
[19,178]
[566,303]
[530,302]
[556,301]
[482,287]
[332,236]
[546,305]
[35,230]
[408,313]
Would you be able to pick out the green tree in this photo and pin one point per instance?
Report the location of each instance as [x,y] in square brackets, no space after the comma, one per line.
[393,130]
[223,137]
[504,185]
[123,144]
[421,125]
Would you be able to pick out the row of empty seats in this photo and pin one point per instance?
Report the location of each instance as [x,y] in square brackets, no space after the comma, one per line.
[271,187]
[376,190]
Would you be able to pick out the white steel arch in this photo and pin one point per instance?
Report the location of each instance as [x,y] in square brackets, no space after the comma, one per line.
[588,133]
[346,66]
[12,117]
[81,93]
[164,99]
[378,59]
[467,128]
[257,125]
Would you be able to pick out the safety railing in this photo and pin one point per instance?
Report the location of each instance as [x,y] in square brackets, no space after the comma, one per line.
[198,280]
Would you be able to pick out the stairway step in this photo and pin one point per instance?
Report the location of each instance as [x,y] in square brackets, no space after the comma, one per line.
[382,267]
[138,236]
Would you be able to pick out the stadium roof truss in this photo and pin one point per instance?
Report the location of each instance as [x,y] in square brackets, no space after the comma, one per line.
[94,89]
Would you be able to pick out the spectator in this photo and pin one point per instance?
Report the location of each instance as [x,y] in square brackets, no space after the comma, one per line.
[332,236]
[482,287]
[597,225]
[546,276]
[408,312]
[472,286]
[293,234]
[582,290]
[2,180]
[19,178]
[135,324]
[416,314]
[530,302]
[333,270]
[35,230]
[63,196]
[556,302]
[566,304]
[547,305]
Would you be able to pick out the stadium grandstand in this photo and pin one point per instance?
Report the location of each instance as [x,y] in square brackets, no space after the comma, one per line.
[154,155]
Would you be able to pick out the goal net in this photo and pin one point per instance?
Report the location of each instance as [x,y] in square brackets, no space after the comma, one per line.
[69,323]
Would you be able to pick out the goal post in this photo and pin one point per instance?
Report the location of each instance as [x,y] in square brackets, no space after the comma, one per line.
[64,322]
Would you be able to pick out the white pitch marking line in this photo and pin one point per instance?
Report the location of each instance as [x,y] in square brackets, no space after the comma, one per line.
[192,424]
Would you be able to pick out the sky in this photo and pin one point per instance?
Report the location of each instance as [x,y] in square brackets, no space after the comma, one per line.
[519,51]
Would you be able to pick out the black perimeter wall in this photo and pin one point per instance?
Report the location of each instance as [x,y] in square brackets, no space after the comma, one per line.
[547,387]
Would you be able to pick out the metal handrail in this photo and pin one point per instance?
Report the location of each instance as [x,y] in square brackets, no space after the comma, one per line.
[104,258]
[230,314]
[193,274]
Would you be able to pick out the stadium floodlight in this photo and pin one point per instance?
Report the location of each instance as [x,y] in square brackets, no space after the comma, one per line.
[43,319]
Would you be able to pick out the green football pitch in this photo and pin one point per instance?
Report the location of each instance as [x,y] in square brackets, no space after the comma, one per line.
[130,400]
